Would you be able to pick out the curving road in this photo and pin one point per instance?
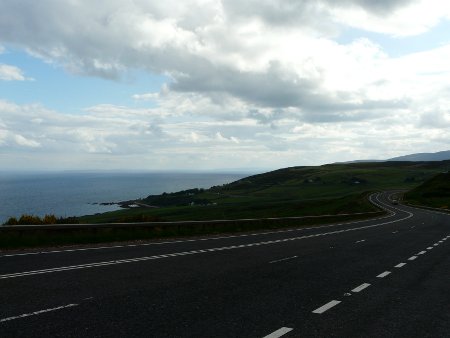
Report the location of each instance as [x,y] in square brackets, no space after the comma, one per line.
[386,277]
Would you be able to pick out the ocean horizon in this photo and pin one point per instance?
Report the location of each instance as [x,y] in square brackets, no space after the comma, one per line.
[78,193]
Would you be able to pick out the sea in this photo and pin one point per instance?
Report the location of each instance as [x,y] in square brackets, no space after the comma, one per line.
[66,194]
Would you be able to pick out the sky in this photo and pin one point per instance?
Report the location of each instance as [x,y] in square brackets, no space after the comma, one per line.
[210,85]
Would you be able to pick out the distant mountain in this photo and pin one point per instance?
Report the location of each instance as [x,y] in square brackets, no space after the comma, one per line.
[439,156]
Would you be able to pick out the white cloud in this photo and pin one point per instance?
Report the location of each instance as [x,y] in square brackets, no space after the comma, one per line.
[412,18]
[251,81]
[24,142]
[129,137]
[11,73]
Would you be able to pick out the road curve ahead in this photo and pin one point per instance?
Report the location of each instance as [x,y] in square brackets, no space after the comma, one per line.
[387,277]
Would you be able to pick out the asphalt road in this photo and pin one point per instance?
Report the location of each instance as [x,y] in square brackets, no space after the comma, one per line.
[388,277]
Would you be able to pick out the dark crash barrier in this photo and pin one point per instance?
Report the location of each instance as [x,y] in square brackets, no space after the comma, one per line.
[21,236]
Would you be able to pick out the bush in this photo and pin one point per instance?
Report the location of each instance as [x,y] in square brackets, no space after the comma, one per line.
[49,219]
[36,220]
[29,220]
[11,221]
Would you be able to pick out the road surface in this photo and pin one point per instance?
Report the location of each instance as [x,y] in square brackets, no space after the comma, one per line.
[388,277]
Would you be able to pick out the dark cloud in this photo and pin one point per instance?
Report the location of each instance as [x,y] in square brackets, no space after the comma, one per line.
[306,13]
[278,89]
[378,7]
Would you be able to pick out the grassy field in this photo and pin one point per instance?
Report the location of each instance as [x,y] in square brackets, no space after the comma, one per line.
[296,191]
[335,189]
[435,192]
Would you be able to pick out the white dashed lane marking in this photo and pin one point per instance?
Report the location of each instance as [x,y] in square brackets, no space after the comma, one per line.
[279,332]
[361,287]
[384,274]
[326,307]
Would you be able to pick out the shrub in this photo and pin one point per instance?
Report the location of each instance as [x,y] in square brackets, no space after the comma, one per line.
[49,219]
[29,220]
[36,220]
[11,221]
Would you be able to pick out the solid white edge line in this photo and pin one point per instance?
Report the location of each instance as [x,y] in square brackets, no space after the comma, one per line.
[196,239]
[215,238]
[384,274]
[400,265]
[146,258]
[37,312]
[90,265]
[279,332]
[361,287]
[283,259]
[326,307]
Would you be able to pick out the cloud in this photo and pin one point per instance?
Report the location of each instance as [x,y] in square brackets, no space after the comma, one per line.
[24,142]
[250,81]
[209,45]
[119,137]
[395,18]
[11,73]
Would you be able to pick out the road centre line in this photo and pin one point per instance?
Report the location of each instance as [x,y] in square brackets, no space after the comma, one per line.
[360,241]
[361,287]
[202,239]
[384,274]
[326,307]
[400,265]
[279,332]
[436,244]
[283,259]
[429,248]
[147,258]
[37,313]
[364,285]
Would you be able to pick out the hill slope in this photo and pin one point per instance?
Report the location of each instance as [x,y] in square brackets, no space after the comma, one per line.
[295,191]
[434,193]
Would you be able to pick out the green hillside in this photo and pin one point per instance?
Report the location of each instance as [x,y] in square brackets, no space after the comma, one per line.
[295,191]
[435,192]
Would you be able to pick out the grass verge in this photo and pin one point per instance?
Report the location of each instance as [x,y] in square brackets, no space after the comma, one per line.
[16,237]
